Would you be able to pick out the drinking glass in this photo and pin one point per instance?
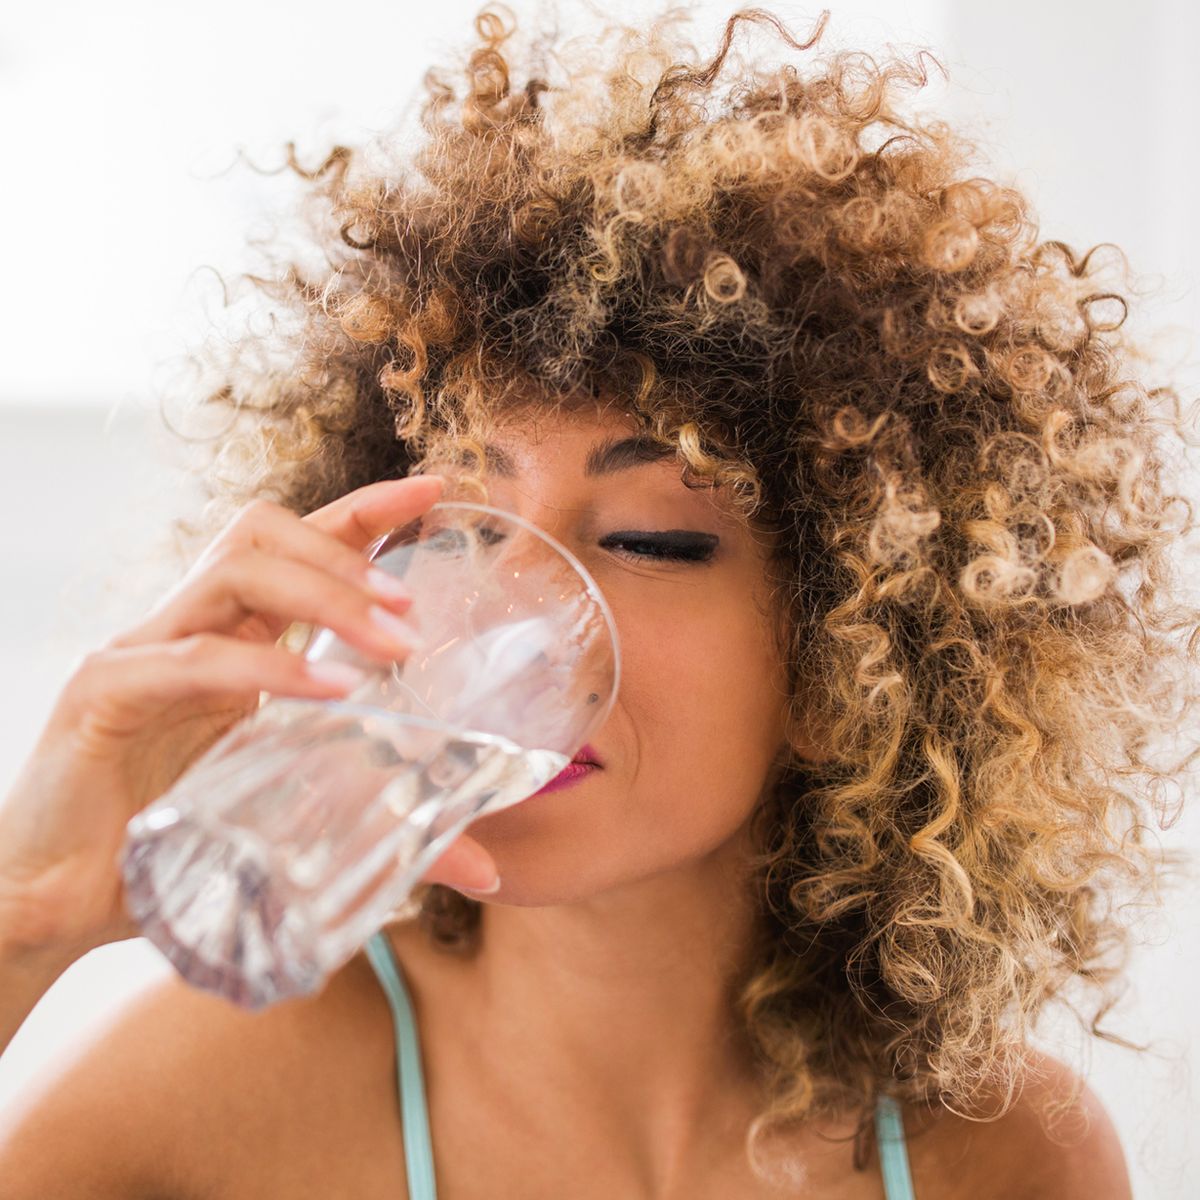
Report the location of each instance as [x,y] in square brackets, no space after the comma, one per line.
[290,841]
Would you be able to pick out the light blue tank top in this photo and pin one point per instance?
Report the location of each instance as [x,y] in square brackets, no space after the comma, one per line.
[418,1150]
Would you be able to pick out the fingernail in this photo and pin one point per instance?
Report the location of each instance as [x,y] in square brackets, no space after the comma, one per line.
[395,628]
[490,890]
[336,674]
[387,585]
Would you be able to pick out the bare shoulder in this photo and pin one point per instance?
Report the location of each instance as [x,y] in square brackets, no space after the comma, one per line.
[179,1084]
[1056,1142]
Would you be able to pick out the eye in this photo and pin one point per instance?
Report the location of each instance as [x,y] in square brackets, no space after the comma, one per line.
[672,545]
[453,542]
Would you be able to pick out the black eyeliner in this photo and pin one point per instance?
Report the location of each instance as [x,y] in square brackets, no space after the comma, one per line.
[680,544]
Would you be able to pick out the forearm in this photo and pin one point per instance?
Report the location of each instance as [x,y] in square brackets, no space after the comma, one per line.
[24,979]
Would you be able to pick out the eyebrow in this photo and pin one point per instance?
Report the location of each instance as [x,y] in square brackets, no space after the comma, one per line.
[607,458]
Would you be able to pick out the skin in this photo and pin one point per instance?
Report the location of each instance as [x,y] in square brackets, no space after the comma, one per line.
[135,712]
[594,1025]
[621,914]
[596,1010]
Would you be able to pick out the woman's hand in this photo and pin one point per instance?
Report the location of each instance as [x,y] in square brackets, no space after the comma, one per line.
[135,713]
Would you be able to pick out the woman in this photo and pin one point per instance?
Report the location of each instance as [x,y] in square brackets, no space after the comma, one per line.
[884,523]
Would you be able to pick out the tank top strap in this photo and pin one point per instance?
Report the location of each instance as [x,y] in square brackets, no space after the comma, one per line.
[893,1152]
[418,1149]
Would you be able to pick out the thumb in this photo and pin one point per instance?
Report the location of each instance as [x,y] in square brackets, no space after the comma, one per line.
[464,864]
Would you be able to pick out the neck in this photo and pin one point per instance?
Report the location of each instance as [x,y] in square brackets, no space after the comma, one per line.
[620,1008]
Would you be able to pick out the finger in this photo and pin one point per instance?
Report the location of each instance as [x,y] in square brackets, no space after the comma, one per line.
[120,688]
[333,537]
[276,530]
[250,582]
[359,517]
[465,864]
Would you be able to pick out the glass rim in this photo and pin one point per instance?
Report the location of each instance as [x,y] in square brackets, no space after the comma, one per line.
[593,588]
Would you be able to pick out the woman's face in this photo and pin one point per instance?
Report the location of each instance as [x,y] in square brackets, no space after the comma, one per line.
[698,718]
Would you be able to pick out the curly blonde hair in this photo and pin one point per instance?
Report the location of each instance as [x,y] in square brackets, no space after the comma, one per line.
[812,297]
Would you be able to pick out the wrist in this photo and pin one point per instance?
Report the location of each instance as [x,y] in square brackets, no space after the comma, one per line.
[26,974]
[27,946]
[38,967]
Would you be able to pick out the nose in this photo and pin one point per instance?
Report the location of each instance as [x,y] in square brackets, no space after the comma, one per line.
[559,521]
[528,571]
[543,638]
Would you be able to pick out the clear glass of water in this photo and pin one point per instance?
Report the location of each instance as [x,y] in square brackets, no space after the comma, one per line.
[293,838]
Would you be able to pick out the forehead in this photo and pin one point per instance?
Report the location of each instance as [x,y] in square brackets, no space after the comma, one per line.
[532,423]
[595,441]
[612,454]
[607,453]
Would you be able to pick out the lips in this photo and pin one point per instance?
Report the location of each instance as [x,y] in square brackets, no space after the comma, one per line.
[582,765]
[571,773]
[587,754]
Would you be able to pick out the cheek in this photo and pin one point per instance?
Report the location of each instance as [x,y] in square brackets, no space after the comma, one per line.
[696,725]
[704,702]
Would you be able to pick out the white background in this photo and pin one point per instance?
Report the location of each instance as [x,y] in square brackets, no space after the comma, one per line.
[121,126]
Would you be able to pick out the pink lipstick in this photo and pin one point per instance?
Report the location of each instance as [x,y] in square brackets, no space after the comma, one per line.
[584,763]
[570,774]
[587,754]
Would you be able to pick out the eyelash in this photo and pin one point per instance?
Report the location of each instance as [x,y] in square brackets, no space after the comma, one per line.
[693,548]
[663,549]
